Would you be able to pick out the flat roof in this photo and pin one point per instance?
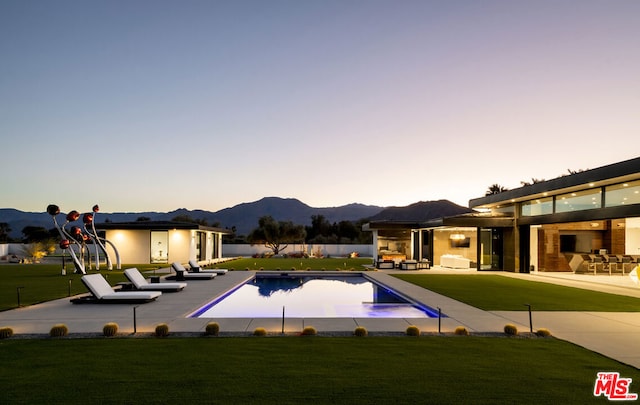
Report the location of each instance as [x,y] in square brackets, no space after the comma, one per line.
[606,175]
[159,225]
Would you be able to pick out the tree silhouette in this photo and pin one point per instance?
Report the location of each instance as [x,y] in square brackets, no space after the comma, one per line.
[188,218]
[495,189]
[276,235]
[4,231]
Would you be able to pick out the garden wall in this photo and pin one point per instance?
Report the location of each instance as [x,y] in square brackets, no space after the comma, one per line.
[245,250]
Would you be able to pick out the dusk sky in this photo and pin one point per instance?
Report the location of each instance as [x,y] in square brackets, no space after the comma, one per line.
[158,105]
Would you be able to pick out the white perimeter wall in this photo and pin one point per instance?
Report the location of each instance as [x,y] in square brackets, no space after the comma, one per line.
[233,250]
[9,248]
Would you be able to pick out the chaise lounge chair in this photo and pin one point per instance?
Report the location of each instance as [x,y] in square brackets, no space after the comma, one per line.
[195,268]
[183,274]
[140,283]
[102,292]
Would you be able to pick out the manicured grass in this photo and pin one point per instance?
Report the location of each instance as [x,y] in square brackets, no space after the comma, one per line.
[276,263]
[498,293]
[45,282]
[294,370]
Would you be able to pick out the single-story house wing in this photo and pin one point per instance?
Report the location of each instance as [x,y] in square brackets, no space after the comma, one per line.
[147,242]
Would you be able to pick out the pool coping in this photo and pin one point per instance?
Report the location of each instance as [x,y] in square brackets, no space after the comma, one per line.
[429,311]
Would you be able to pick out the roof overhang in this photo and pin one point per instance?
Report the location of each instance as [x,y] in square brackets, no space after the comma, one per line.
[482,220]
[627,170]
[159,225]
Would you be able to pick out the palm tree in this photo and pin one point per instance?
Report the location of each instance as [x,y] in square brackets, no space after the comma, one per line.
[495,189]
[533,181]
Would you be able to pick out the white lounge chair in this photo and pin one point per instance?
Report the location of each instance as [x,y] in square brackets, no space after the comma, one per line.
[183,274]
[141,283]
[195,268]
[102,292]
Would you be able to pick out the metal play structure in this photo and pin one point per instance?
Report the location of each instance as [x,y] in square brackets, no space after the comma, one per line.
[78,240]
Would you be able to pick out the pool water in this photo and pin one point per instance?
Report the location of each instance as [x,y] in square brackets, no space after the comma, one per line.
[312,297]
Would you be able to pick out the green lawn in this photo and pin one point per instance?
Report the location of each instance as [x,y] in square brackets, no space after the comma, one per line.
[294,370]
[498,293]
[45,282]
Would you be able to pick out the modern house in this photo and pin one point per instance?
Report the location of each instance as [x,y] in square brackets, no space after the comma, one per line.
[160,242]
[583,222]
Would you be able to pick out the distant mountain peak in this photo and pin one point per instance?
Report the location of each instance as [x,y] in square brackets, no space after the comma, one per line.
[244,217]
[421,211]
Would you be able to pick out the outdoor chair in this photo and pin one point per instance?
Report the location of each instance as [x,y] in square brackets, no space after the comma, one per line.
[101,292]
[614,264]
[596,264]
[183,274]
[196,268]
[627,264]
[140,283]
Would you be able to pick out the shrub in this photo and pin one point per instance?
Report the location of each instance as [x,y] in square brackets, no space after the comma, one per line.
[110,329]
[461,331]
[162,330]
[309,331]
[259,332]
[6,332]
[412,331]
[212,329]
[360,331]
[59,330]
[543,332]
[510,329]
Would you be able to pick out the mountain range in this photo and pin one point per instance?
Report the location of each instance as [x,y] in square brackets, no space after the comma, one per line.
[244,217]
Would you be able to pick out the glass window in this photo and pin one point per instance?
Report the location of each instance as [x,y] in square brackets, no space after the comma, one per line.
[540,206]
[159,247]
[580,200]
[214,247]
[622,194]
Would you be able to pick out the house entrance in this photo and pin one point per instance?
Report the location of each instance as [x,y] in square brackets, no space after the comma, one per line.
[491,249]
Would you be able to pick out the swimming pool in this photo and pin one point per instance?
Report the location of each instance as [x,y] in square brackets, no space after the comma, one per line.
[312,296]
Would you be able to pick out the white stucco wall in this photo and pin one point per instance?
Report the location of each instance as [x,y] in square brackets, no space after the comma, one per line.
[181,245]
[133,245]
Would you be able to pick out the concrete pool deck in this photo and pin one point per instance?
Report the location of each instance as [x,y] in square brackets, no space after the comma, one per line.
[614,335]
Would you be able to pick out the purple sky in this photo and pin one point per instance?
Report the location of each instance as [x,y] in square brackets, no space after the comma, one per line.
[157,105]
